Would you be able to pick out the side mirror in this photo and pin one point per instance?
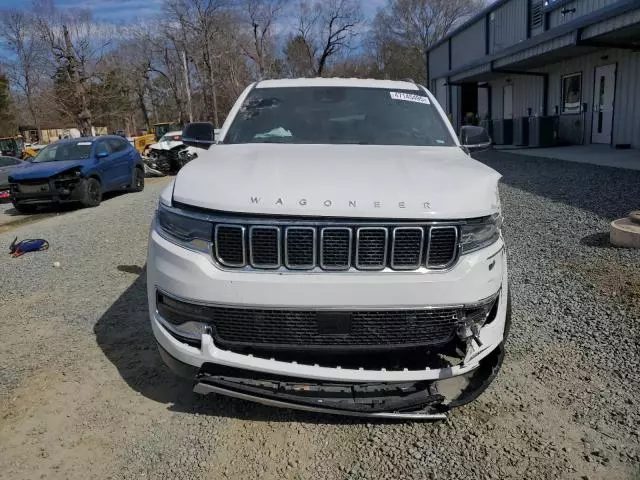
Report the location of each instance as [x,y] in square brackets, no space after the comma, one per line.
[101,155]
[475,138]
[199,135]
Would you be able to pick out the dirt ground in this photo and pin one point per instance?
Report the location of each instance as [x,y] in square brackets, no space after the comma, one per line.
[84,394]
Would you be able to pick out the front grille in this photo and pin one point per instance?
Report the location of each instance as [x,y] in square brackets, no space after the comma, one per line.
[300,247]
[336,248]
[230,245]
[264,247]
[371,248]
[442,245]
[300,329]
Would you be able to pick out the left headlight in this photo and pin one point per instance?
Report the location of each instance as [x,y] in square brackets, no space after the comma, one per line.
[481,233]
[184,229]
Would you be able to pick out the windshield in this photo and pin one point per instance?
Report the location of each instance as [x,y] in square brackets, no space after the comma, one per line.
[339,115]
[175,137]
[59,152]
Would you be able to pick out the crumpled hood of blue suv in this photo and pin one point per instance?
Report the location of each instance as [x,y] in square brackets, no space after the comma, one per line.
[33,171]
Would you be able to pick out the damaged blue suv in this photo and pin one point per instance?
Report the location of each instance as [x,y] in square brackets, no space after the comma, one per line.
[76,170]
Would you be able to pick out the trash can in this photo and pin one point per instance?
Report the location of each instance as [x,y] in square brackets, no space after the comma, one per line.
[521,131]
[503,132]
[543,131]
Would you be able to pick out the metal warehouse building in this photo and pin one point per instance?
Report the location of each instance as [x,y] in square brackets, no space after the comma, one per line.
[539,72]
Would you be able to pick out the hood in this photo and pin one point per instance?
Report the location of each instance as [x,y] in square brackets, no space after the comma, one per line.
[339,181]
[31,171]
[170,145]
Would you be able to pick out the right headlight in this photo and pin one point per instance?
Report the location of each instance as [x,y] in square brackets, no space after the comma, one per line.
[481,233]
[184,230]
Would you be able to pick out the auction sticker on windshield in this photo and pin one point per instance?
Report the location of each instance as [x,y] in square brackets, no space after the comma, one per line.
[408,97]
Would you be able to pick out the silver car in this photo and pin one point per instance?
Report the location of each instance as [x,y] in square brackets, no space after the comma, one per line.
[6,165]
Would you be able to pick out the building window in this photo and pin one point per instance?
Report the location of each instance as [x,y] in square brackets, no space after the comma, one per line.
[572,93]
[536,14]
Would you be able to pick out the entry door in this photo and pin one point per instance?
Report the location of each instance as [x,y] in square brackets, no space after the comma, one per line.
[507,102]
[603,93]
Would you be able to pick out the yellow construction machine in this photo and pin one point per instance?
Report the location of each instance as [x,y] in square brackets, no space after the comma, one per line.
[142,142]
[15,147]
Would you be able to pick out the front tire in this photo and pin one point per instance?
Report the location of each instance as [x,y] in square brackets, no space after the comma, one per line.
[137,180]
[92,195]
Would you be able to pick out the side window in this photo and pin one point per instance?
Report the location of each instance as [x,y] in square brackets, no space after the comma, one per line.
[117,144]
[102,147]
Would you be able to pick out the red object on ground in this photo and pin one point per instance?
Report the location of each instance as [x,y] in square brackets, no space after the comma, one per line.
[5,195]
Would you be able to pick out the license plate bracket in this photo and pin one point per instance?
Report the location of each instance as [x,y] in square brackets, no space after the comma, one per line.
[333,323]
[39,188]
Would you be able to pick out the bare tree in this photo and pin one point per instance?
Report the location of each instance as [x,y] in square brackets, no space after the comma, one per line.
[260,16]
[200,17]
[76,49]
[324,30]
[408,28]
[24,70]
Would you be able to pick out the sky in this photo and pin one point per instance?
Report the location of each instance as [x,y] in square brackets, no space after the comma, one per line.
[129,11]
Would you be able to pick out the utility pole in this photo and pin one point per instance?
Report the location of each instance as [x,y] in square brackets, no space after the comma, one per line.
[187,85]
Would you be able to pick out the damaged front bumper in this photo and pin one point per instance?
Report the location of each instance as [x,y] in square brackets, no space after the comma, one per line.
[411,400]
[61,189]
[409,394]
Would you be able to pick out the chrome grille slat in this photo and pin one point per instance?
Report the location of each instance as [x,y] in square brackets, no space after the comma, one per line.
[443,246]
[300,248]
[297,245]
[371,248]
[264,246]
[229,246]
[335,248]
[406,248]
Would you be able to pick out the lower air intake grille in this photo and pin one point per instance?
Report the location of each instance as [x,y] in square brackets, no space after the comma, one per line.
[300,329]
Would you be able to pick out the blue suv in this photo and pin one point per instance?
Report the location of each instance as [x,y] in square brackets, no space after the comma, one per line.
[76,170]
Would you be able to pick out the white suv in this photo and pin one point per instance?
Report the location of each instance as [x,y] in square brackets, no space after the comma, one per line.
[336,250]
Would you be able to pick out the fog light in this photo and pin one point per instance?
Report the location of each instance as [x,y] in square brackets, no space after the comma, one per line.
[184,319]
[473,317]
[191,330]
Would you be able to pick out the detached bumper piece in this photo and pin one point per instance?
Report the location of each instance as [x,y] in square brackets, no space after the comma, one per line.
[417,400]
[410,401]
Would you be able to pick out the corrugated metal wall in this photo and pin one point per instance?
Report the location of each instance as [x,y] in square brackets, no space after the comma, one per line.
[439,61]
[620,21]
[626,120]
[468,45]
[528,92]
[441,93]
[554,44]
[582,8]
[455,108]
[508,25]
[483,103]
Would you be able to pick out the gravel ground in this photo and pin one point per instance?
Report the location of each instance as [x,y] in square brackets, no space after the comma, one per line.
[83,393]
